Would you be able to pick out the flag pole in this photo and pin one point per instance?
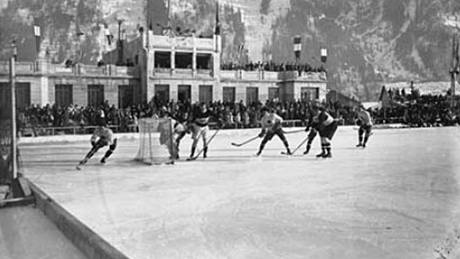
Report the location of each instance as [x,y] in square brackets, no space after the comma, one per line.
[13,118]
[454,69]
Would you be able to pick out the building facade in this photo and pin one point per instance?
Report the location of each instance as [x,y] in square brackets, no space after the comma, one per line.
[166,67]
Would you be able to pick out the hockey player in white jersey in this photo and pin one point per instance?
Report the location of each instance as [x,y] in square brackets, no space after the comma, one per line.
[271,126]
[365,126]
[102,136]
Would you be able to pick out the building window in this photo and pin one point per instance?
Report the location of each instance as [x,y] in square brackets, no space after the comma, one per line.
[183,60]
[184,93]
[252,95]
[162,59]
[95,95]
[309,93]
[125,96]
[273,93]
[203,61]
[63,95]
[5,97]
[162,94]
[205,94]
[22,95]
[228,94]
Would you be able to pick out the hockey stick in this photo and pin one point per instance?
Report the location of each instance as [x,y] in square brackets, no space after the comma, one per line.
[245,142]
[201,151]
[297,148]
[294,131]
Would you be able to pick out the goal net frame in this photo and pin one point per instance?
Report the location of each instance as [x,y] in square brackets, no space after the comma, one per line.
[156,138]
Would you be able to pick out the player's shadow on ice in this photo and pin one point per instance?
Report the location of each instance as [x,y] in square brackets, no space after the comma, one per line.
[250,159]
[351,148]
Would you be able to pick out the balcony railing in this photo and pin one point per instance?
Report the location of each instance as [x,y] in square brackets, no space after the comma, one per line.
[183,73]
[181,43]
[20,67]
[60,69]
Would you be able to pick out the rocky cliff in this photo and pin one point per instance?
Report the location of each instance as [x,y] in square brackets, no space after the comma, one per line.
[369,42]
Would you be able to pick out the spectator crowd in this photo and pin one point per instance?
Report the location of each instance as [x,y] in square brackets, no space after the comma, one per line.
[416,110]
[413,110]
[272,66]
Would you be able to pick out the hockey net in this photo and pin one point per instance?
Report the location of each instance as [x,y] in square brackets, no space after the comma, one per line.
[156,141]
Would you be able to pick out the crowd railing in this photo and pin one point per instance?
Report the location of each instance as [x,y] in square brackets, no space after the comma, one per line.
[31,131]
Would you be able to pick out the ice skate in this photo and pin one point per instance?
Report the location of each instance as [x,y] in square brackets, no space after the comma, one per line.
[205,152]
[307,150]
[322,154]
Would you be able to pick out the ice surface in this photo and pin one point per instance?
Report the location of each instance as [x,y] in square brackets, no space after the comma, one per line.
[398,198]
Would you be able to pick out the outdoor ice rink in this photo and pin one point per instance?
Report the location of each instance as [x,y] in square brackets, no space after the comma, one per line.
[398,198]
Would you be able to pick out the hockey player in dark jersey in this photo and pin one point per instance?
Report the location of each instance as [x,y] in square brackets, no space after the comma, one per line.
[101,137]
[313,126]
[271,126]
[327,126]
[200,128]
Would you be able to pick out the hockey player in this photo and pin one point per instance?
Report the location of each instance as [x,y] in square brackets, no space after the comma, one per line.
[365,126]
[167,130]
[200,128]
[327,127]
[102,136]
[313,128]
[271,126]
[182,127]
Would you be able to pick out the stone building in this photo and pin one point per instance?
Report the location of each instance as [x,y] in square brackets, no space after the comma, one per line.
[169,67]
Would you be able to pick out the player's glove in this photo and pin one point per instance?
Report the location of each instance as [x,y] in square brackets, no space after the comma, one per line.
[276,126]
[307,129]
[93,143]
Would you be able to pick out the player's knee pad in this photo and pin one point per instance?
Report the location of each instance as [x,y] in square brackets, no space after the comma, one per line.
[325,141]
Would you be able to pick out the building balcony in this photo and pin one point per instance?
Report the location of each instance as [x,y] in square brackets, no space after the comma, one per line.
[45,68]
[249,75]
[183,73]
[20,67]
[180,43]
[271,75]
[304,76]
